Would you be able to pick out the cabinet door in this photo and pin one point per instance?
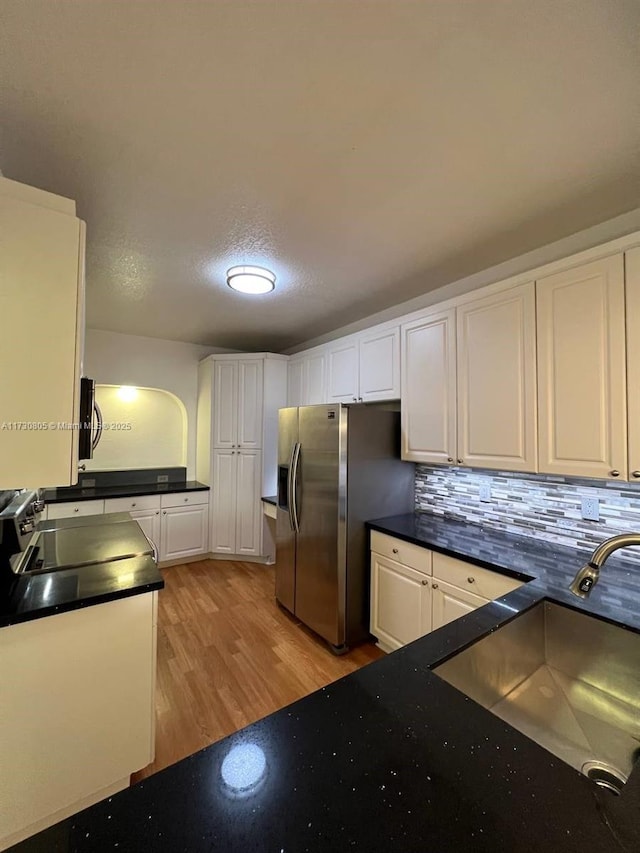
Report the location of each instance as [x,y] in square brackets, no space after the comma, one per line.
[250,403]
[40,299]
[183,532]
[315,379]
[342,361]
[248,503]
[149,521]
[633,360]
[429,388]
[581,371]
[450,602]
[225,404]
[223,497]
[400,603]
[380,365]
[295,382]
[497,381]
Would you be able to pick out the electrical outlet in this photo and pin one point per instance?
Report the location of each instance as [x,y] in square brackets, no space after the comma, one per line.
[591,509]
[485,492]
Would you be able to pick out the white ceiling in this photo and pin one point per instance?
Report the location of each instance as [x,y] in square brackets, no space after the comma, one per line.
[365,150]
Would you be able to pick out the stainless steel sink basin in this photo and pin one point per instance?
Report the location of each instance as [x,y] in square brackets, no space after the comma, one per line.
[569,681]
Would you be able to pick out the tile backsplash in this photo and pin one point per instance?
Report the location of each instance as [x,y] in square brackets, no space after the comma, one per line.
[541,506]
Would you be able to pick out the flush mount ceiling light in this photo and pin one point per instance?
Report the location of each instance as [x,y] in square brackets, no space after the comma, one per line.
[251,279]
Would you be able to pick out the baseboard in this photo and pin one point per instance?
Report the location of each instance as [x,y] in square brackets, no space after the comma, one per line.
[241,558]
[196,558]
[165,564]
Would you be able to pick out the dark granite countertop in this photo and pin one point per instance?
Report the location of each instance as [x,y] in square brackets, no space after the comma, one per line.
[554,566]
[271,499]
[24,598]
[389,758]
[83,493]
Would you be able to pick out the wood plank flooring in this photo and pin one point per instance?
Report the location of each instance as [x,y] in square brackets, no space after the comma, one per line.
[228,655]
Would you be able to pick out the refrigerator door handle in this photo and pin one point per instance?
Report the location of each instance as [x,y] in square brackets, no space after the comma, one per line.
[290,488]
[295,461]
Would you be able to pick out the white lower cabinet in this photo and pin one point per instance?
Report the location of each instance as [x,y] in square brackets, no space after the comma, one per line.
[183,531]
[176,523]
[236,526]
[400,603]
[149,521]
[77,710]
[450,602]
[408,601]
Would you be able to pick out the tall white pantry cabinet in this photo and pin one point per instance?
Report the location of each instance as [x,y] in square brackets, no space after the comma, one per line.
[237,445]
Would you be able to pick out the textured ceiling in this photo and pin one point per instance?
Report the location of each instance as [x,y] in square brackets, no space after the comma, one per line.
[366,150]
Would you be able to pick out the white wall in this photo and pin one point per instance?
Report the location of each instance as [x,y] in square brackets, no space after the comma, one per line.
[115,359]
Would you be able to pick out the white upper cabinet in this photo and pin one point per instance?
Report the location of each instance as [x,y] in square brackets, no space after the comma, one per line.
[343,381]
[250,383]
[225,403]
[581,370]
[307,378]
[633,360]
[497,380]
[41,336]
[237,403]
[314,384]
[429,388]
[365,368]
[295,382]
[379,364]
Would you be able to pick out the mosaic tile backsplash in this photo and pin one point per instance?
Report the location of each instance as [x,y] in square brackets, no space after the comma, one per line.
[541,506]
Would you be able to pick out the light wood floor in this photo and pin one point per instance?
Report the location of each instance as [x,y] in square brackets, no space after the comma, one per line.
[228,655]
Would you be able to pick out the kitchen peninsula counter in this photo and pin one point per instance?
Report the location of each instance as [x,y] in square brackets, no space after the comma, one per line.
[389,758]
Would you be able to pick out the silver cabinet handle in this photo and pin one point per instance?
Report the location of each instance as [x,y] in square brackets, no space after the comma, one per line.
[157,512]
[133,504]
[434,586]
[471,580]
[186,499]
[77,509]
[459,461]
[82,467]
[360,399]
[635,474]
[395,550]
[615,473]
[424,583]
[164,512]
[355,399]
[450,459]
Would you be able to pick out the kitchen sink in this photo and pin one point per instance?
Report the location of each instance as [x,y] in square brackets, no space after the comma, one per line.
[569,681]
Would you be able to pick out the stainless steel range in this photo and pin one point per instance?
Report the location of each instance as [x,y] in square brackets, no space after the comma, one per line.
[32,547]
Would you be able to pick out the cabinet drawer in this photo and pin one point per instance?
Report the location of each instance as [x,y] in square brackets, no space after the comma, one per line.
[132,504]
[402,552]
[482,582]
[184,499]
[68,510]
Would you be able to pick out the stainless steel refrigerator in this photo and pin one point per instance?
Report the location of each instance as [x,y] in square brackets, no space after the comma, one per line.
[338,466]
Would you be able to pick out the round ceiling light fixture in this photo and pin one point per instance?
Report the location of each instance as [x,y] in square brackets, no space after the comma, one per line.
[252,280]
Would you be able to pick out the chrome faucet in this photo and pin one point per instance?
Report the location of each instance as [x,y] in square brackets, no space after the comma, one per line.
[587,577]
